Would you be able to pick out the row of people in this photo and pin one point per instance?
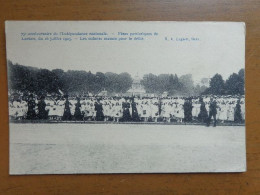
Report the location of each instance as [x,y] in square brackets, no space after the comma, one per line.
[130,109]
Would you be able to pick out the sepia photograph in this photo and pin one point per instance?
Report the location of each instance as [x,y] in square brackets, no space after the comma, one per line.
[126,97]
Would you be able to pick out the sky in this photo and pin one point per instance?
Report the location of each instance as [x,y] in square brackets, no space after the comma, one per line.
[206,48]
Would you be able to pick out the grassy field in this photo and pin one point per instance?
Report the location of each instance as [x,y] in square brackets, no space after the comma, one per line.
[43,148]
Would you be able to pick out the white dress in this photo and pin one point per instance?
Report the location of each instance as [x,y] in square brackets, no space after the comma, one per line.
[223,112]
[145,111]
[230,113]
[154,111]
[243,110]
[195,110]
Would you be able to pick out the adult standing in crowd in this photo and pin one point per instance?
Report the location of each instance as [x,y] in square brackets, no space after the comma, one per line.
[77,114]
[203,115]
[135,116]
[42,112]
[212,112]
[99,111]
[126,111]
[187,110]
[238,114]
[160,107]
[31,114]
[67,114]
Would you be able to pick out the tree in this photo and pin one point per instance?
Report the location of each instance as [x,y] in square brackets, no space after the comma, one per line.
[174,86]
[199,89]
[75,82]
[47,82]
[216,85]
[162,83]
[60,74]
[21,78]
[234,85]
[125,82]
[34,80]
[112,82]
[118,83]
[241,74]
[150,83]
[187,85]
[99,83]
[42,81]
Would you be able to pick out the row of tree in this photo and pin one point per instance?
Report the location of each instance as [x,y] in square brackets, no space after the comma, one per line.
[34,80]
[185,86]
[234,85]
[172,84]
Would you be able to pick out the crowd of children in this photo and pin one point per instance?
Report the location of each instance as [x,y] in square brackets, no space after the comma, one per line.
[134,109]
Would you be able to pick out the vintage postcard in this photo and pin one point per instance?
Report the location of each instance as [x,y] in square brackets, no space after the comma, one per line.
[126,97]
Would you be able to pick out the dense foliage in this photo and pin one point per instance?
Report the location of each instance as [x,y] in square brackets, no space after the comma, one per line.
[172,84]
[34,80]
[234,85]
